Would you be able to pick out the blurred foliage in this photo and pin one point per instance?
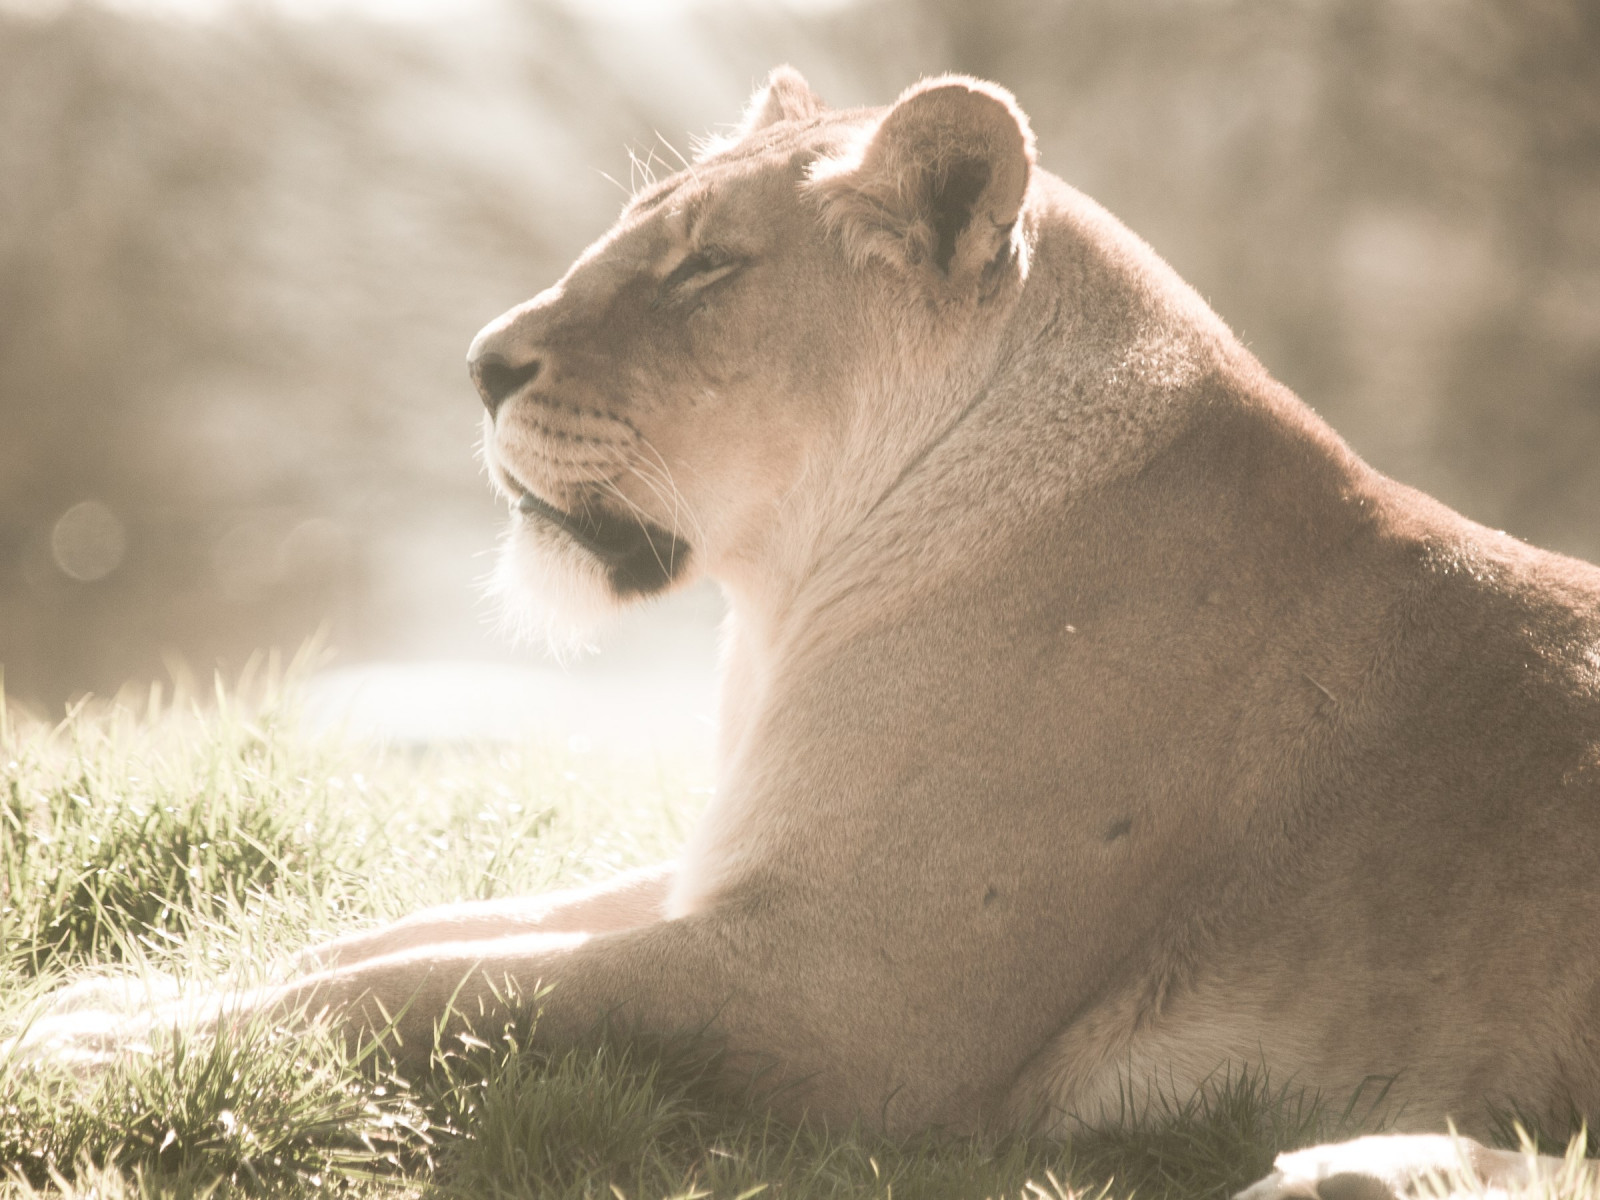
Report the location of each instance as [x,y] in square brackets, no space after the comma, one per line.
[241,257]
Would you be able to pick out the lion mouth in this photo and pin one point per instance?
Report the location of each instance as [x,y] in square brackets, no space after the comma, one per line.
[641,557]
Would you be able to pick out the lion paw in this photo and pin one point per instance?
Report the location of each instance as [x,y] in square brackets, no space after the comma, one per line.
[83,1039]
[1389,1167]
[91,1023]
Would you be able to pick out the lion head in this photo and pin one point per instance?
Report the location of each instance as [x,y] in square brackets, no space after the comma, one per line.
[758,347]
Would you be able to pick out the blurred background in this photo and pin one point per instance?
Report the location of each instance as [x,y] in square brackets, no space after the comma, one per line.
[244,245]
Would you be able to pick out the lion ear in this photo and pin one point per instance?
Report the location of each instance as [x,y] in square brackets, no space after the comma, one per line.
[940,181]
[786,96]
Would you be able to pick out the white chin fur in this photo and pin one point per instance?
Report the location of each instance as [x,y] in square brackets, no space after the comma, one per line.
[550,589]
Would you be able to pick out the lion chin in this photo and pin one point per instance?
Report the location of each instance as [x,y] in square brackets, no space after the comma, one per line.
[561,574]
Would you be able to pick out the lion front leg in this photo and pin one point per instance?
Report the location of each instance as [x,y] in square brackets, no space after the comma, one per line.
[631,899]
[666,977]
[94,1021]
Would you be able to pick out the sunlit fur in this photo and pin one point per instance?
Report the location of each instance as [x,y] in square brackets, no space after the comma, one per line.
[549,591]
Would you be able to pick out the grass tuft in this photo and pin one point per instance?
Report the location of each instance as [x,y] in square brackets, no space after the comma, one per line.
[250,1109]
[99,856]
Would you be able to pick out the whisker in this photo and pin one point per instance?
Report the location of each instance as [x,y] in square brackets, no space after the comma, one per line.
[672,484]
[662,474]
[640,168]
[666,501]
[657,489]
[644,525]
[687,165]
[682,515]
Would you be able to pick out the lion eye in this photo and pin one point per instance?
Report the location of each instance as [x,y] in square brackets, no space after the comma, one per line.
[699,270]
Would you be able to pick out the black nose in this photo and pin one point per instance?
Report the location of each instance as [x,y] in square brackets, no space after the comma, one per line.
[497,380]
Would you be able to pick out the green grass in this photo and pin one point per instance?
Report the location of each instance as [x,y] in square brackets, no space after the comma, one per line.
[164,843]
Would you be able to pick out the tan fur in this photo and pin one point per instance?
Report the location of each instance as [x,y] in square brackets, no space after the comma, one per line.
[1093,718]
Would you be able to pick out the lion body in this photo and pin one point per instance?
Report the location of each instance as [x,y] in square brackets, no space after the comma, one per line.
[1093,719]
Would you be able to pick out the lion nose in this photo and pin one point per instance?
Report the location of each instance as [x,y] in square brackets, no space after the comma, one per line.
[497,378]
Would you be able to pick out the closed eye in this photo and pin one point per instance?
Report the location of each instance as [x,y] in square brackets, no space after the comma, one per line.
[699,270]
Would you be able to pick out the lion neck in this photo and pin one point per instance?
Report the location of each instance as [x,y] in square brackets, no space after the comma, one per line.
[1078,377]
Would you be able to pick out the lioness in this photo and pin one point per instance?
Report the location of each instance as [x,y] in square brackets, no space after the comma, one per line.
[1092,715]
